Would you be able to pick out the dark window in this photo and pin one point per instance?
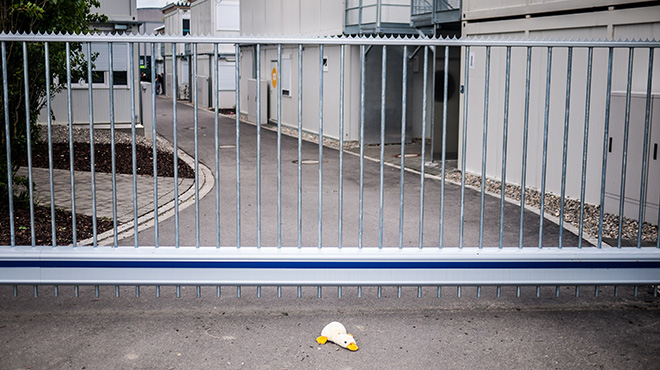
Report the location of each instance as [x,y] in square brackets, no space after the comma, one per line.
[186,27]
[98,77]
[119,78]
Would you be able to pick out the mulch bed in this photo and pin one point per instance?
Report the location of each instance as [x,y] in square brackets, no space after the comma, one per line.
[103,159]
[43,228]
[103,163]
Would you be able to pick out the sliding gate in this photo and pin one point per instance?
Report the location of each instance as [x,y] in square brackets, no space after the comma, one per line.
[270,204]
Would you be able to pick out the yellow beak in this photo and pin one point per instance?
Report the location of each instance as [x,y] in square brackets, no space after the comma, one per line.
[352,347]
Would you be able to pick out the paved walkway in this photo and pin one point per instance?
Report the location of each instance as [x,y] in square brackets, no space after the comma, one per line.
[104,206]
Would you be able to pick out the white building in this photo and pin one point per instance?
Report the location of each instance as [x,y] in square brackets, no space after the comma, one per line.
[122,18]
[560,19]
[203,17]
[324,18]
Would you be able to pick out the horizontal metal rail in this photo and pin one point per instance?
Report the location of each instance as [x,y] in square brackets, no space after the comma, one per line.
[328,266]
[331,40]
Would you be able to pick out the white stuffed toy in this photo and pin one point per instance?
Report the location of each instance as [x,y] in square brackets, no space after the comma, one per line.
[336,333]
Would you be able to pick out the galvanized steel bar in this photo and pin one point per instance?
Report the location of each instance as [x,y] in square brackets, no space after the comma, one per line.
[49,126]
[484,142]
[175,141]
[624,158]
[523,177]
[423,160]
[10,187]
[92,161]
[466,80]
[69,109]
[237,76]
[196,141]
[113,159]
[404,92]
[645,151]
[258,61]
[608,96]
[445,91]
[505,139]
[216,137]
[279,146]
[131,84]
[28,137]
[363,57]
[320,188]
[546,122]
[300,88]
[585,144]
[154,141]
[505,136]
[340,217]
[569,73]
[381,200]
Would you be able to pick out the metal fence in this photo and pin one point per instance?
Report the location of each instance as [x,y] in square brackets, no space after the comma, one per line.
[353,218]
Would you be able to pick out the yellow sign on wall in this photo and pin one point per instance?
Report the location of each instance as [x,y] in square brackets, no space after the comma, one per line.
[273,77]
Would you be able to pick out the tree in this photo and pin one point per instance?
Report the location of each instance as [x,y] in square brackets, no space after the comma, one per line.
[45,16]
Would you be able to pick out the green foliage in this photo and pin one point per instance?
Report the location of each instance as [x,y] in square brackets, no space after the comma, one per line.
[46,16]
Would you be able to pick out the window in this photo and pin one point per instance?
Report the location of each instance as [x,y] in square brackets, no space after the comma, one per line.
[186,27]
[98,77]
[119,78]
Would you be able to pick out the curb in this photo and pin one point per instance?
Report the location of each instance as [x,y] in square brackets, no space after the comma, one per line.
[165,211]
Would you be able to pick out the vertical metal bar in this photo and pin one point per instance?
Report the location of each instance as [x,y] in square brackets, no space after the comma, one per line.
[113,159]
[585,145]
[15,287]
[577,291]
[258,61]
[606,134]
[199,291]
[71,154]
[196,142]
[92,161]
[432,115]
[398,291]
[131,83]
[445,91]
[363,56]
[218,289]
[320,188]
[642,188]
[137,287]
[216,137]
[56,290]
[505,140]
[28,136]
[459,291]
[596,291]
[404,93]
[279,146]
[175,92]
[157,291]
[35,290]
[423,162]
[50,146]
[96,291]
[258,291]
[76,291]
[569,73]
[499,291]
[523,177]
[10,189]
[300,86]
[546,122]
[439,292]
[178,291]
[379,291]
[381,198]
[359,292]
[279,291]
[484,142]
[340,216]
[154,141]
[466,80]
[339,292]
[238,146]
[624,159]
[299,292]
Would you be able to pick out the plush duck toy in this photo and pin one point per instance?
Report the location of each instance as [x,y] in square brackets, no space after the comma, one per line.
[336,333]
